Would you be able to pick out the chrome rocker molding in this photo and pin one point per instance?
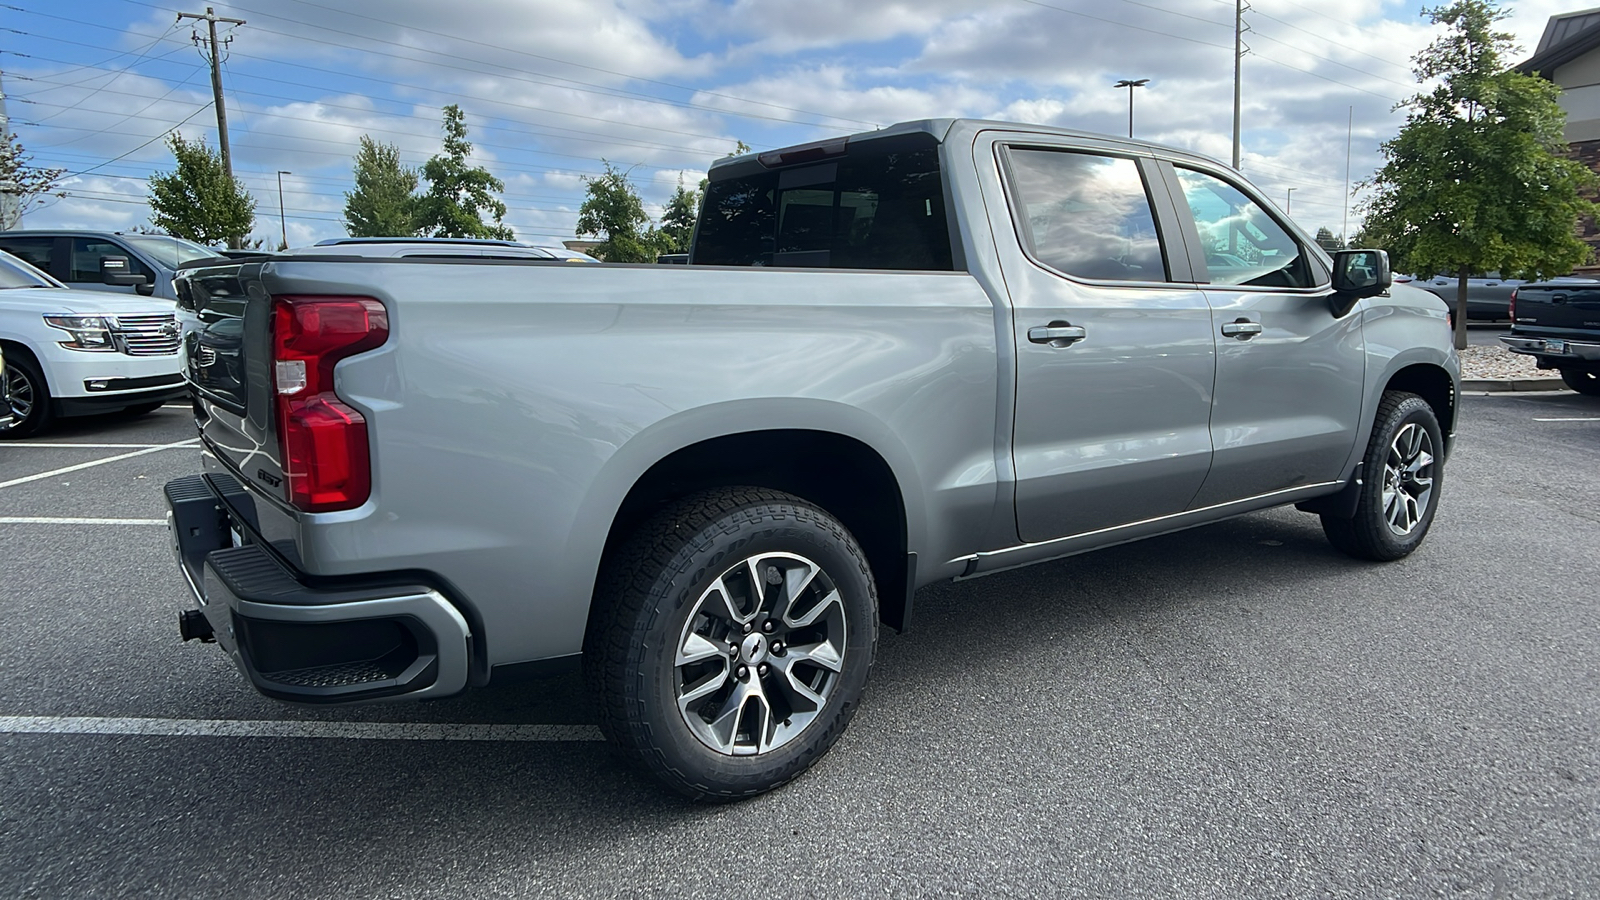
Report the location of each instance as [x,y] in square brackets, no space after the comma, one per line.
[991,561]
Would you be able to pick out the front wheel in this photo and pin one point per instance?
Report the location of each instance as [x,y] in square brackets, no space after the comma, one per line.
[1403,473]
[1582,381]
[731,641]
[28,396]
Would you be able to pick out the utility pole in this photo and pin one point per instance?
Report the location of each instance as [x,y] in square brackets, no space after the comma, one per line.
[1288,202]
[283,221]
[1238,54]
[1130,85]
[214,55]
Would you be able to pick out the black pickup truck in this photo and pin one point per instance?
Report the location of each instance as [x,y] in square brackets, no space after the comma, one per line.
[1558,324]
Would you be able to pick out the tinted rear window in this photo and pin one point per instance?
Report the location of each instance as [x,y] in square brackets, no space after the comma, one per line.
[880,206]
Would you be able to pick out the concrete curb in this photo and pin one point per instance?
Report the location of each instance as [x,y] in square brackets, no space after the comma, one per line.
[1495,385]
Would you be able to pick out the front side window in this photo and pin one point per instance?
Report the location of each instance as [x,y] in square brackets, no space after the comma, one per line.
[1086,215]
[86,256]
[1243,245]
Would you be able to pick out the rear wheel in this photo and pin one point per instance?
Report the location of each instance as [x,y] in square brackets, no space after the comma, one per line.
[1581,381]
[1403,475]
[731,641]
[27,395]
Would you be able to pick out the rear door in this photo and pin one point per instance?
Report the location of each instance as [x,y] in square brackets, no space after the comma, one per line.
[1114,352]
[1289,372]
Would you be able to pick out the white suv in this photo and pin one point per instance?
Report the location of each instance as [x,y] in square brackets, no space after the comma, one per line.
[70,352]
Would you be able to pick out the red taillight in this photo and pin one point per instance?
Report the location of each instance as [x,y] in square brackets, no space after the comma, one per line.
[322,442]
[1511,308]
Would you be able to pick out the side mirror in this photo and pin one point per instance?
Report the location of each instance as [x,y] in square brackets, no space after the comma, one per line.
[114,270]
[1358,274]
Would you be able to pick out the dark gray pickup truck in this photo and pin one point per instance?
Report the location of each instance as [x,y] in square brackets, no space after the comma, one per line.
[930,352]
[1558,324]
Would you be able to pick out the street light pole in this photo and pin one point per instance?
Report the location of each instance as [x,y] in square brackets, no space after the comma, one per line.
[283,222]
[1130,85]
[1288,202]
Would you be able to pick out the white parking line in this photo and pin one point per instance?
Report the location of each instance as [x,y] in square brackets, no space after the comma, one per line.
[63,445]
[59,520]
[98,462]
[359,731]
[1579,419]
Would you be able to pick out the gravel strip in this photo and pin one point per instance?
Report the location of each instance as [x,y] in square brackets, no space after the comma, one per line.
[1498,362]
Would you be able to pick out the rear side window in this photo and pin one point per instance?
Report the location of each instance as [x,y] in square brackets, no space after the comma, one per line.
[880,206]
[35,251]
[1086,215]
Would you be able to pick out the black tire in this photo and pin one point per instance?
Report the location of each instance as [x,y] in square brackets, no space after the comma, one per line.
[1400,494]
[1581,381]
[139,409]
[672,591]
[28,396]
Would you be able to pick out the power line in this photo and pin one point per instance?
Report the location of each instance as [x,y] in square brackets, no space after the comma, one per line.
[466,40]
[571,84]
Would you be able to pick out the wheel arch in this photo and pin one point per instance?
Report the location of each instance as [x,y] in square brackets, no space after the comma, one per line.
[834,456]
[1432,383]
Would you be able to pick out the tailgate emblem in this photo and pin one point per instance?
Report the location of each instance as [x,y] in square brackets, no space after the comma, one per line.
[273,480]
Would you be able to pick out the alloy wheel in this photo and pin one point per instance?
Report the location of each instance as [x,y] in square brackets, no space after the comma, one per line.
[760,655]
[1408,479]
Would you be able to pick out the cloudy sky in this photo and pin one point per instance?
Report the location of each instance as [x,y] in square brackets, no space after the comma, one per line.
[662,87]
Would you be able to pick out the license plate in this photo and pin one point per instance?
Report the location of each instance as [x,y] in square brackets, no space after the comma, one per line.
[1555,346]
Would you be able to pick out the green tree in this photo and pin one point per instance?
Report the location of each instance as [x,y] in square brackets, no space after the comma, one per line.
[382,205]
[458,194]
[26,185]
[1327,241]
[678,220]
[614,213]
[1475,181]
[198,200]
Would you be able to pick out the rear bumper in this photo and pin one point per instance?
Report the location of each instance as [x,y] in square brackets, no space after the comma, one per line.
[303,643]
[1572,351]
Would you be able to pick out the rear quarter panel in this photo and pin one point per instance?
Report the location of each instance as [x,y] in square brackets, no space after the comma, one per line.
[514,406]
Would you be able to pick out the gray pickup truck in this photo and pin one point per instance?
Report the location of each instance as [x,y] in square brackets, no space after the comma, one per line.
[930,352]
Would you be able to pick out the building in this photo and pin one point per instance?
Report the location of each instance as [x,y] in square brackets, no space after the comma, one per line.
[1569,55]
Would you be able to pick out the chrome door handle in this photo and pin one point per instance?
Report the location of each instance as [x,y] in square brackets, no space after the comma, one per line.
[1243,329]
[1057,335]
[1558,298]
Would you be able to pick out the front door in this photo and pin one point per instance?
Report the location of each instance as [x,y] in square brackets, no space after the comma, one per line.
[1289,373]
[1114,357]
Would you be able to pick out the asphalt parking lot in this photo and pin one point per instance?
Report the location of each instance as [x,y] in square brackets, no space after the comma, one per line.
[1232,712]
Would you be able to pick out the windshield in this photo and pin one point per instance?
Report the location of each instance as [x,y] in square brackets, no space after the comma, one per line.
[14,273]
[170,252]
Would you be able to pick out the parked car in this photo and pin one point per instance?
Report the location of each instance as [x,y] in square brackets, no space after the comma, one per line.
[71,352]
[73,257]
[1488,295]
[1558,323]
[931,352]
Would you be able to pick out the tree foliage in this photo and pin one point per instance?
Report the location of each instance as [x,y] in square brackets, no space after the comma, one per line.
[613,212]
[458,195]
[1327,241]
[1476,181]
[678,220]
[199,200]
[28,185]
[382,204]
